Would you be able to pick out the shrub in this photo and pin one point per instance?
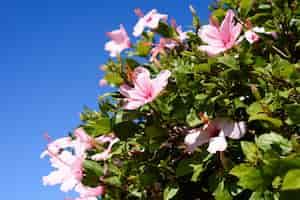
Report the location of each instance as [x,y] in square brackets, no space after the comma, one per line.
[210,113]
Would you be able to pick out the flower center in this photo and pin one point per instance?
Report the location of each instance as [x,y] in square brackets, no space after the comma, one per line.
[149,19]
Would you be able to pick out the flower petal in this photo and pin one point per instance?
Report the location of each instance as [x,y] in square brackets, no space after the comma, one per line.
[211,35]
[227,25]
[195,138]
[160,82]
[238,130]
[217,144]
[212,50]
[68,184]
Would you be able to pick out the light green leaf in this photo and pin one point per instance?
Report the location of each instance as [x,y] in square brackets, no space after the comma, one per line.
[221,193]
[254,108]
[229,61]
[113,180]
[170,192]
[246,6]
[291,180]
[263,117]
[249,177]
[250,150]
[268,141]
[113,78]
[192,118]
[198,169]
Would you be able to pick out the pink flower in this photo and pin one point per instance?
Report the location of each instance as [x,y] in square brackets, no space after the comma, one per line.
[56,146]
[119,41]
[88,193]
[111,139]
[83,141]
[145,89]
[102,82]
[251,36]
[159,49]
[182,35]
[68,173]
[215,133]
[150,20]
[220,38]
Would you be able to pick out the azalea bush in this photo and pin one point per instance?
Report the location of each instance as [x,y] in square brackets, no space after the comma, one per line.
[210,112]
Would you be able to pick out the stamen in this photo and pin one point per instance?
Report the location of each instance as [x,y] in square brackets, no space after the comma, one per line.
[204,117]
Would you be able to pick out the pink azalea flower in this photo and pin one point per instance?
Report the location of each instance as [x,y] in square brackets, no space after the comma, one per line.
[215,133]
[111,139]
[68,173]
[150,20]
[145,89]
[119,41]
[88,193]
[251,36]
[220,38]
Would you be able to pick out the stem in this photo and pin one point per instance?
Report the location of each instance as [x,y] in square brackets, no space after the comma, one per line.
[280,52]
[223,159]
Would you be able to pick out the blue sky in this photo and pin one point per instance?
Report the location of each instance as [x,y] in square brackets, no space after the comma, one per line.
[49,57]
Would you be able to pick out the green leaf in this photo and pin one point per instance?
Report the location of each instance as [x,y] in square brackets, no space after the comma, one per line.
[229,61]
[254,108]
[264,117]
[148,178]
[282,68]
[154,131]
[192,118]
[256,195]
[170,191]
[98,127]
[125,129]
[94,167]
[204,67]
[142,48]
[165,30]
[293,111]
[222,193]
[251,151]
[113,180]
[184,167]
[291,180]
[266,142]
[249,177]
[113,78]
[93,171]
[198,169]
[246,6]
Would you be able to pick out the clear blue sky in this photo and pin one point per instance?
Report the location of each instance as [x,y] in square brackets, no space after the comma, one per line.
[49,57]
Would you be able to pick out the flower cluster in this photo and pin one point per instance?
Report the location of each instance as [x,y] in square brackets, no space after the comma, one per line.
[67,157]
[211,112]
